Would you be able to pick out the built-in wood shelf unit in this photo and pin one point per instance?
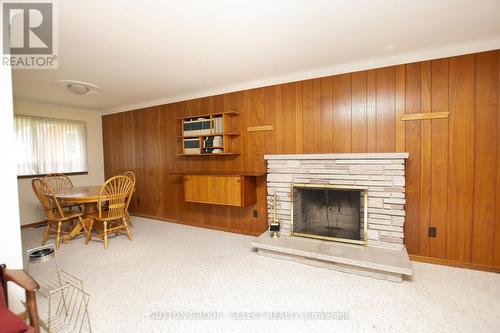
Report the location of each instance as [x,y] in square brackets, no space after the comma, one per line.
[227,189]
[208,134]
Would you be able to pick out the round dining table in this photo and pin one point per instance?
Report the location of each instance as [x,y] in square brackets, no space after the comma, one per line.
[86,195]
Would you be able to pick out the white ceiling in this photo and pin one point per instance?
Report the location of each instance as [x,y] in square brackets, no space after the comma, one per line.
[145,53]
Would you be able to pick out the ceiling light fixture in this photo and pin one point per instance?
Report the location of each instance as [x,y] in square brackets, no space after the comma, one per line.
[77,87]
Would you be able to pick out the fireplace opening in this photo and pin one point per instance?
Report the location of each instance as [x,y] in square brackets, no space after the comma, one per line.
[329,212]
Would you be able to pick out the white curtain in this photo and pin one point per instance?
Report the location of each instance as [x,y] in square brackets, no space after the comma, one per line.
[46,145]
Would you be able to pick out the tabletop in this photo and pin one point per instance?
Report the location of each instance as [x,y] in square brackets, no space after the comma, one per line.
[80,194]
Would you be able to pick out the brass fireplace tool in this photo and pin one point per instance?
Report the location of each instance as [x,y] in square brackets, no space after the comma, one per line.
[274,226]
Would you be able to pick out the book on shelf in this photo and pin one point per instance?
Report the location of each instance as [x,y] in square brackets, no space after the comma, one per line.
[192,146]
[199,126]
[218,125]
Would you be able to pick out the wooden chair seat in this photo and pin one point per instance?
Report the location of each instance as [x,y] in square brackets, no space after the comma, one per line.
[105,216]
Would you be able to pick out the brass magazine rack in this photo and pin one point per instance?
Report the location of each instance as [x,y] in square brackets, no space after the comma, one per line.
[61,295]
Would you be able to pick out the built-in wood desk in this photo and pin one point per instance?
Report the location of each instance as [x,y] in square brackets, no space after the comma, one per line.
[229,189]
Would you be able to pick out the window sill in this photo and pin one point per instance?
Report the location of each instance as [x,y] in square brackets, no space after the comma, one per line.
[62,173]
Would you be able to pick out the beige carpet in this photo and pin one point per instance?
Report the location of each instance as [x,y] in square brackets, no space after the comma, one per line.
[211,281]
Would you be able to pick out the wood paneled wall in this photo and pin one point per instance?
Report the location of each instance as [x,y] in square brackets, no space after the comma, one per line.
[453,173]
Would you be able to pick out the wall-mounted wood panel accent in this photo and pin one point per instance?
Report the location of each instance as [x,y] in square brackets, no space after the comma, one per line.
[226,190]
[260,128]
[453,172]
[425,115]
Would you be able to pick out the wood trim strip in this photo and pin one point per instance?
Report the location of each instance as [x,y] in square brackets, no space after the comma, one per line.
[452,263]
[260,128]
[222,173]
[34,224]
[425,115]
[197,225]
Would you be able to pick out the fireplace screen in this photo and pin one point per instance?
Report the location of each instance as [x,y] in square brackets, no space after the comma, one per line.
[329,212]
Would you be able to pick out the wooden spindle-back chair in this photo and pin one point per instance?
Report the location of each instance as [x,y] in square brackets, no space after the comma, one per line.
[59,182]
[131,175]
[54,213]
[117,192]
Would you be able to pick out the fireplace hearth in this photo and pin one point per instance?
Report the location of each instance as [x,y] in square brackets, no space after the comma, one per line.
[333,201]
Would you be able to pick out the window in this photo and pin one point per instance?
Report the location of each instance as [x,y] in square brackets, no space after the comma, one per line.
[46,145]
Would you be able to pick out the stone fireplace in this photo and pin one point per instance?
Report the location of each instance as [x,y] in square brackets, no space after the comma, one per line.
[339,211]
[380,174]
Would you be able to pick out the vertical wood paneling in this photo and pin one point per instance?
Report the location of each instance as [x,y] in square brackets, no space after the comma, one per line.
[260,224]
[278,128]
[413,147]
[386,124]
[288,118]
[400,130]
[425,158]
[119,146]
[452,174]
[371,113]
[168,144]
[439,167]
[497,210]
[342,100]
[461,163]
[269,119]
[148,161]
[308,116]
[485,158]
[326,115]
[317,117]
[107,141]
[246,157]
[108,135]
[256,140]
[359,108]
[298,118]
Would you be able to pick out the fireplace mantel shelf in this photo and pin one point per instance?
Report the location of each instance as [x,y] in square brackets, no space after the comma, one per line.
[346,156]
